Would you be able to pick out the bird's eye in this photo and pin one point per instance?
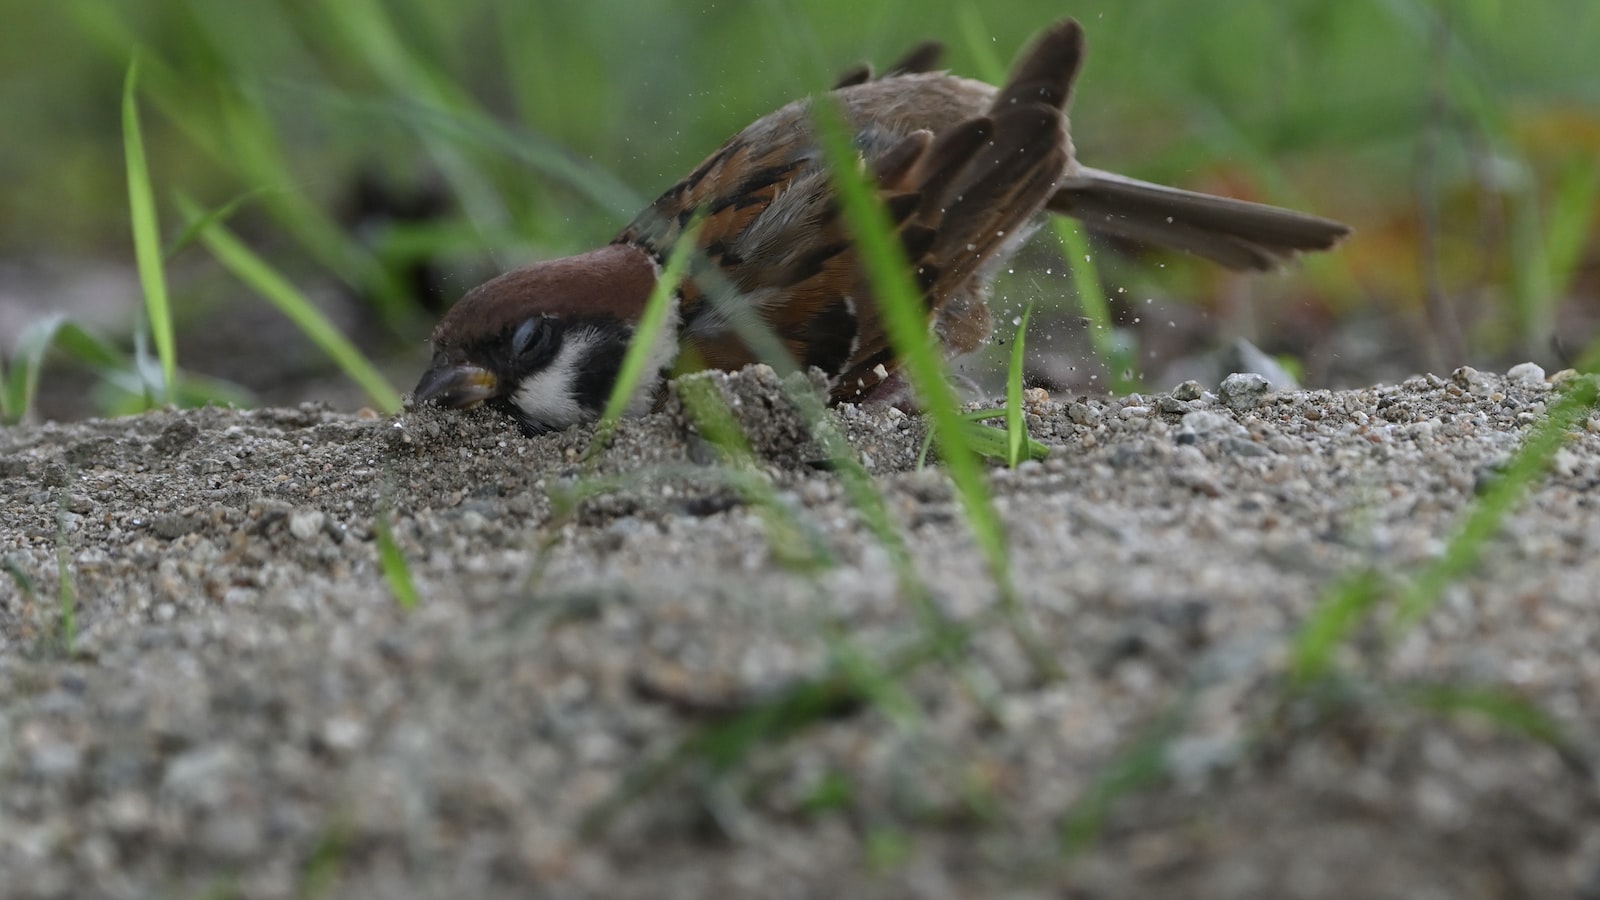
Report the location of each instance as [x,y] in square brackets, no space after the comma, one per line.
[532,338]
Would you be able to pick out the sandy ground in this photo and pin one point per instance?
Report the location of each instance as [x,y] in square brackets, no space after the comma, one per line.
[246,711]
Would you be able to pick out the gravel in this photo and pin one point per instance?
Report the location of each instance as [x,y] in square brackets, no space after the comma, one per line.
[246,711]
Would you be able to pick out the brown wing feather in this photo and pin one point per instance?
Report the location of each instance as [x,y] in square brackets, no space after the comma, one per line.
[960,186]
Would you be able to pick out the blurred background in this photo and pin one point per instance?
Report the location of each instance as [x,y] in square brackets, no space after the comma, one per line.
[376,158]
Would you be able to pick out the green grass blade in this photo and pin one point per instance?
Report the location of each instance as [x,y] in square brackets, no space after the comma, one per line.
[905,320]
[946,637]
[980,46]
[1141,764]
[90,349]
[987,442]
[147,235]
[1016,429]
[1571,223]
[858,483]
[1503,709]
[200,390]
[1497,501]
[876,682]
[366,29]
[795,709]
[320,874]
[1335,618]
[392,562]
[721,745]
[124,387]
[59,333]
[264,280]
[869,501]
[663,296]
[490,140]
[19,576]
[792,542]
[233,128]
[252,147]
[996,444]
[147,370]
[1547,247]
[20,386]
[216,216]
[1095,305]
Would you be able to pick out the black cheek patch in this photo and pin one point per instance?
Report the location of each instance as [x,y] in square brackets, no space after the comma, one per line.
[830,337]
[594,382]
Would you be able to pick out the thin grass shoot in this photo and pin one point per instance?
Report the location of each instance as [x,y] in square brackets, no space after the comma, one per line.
[392,562]
[147,236]
[1016,424]
[261,277]
[663,299]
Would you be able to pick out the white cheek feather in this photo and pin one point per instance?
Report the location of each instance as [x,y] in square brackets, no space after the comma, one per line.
[550,395]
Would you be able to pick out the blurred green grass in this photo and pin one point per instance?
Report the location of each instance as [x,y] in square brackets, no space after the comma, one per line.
[1458,136]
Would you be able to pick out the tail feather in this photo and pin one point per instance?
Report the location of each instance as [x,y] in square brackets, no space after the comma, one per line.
[1235,233]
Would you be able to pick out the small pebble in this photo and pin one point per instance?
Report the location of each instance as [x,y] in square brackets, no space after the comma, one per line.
[1528,375]
[1244,390]
[306,524]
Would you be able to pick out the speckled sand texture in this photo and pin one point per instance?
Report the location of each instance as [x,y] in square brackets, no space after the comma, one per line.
[247,713]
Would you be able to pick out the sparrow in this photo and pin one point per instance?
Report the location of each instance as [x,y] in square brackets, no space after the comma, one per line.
[964,171]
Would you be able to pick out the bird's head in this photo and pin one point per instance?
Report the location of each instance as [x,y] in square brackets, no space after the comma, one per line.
[543,343]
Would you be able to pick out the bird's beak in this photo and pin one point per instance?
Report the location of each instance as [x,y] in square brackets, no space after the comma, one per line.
[458,387]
